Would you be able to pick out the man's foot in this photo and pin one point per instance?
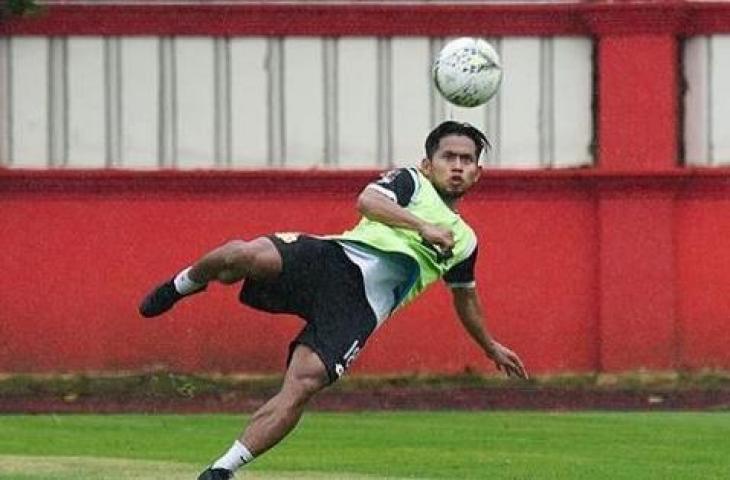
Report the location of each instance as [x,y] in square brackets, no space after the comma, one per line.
[216,474]
[161,299]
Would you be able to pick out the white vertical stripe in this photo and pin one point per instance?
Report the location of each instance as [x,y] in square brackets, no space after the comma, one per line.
[411,98]
[357,104]
[113,100]
[693,64]
[572,92]
[222,99]
[6,106]
[29,72]
[330,72]
[719,100]
[384,101]
[304,110]
[58,114]
[195,100]
[521,99]
[167,105]
[696,101]
[86,119]
[707,107]
[493,117]
[250,102]
[546,111]
[140,98]
[276,102]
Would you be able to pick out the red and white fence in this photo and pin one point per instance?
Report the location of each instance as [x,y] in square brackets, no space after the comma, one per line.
[623,265]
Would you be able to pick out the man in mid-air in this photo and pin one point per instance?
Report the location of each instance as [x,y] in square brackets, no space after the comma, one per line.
[345,286]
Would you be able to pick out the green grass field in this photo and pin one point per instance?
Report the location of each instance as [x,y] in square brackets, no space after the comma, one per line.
[501,445]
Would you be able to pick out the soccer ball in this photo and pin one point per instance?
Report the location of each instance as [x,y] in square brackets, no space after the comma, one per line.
[467,71]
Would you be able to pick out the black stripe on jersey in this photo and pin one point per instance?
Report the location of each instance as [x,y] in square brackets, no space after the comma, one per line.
[463,272]
[400,182]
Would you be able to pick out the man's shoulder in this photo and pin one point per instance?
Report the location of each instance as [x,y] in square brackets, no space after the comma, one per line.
[468,234]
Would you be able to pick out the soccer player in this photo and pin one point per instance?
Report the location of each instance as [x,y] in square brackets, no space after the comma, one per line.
[345,286]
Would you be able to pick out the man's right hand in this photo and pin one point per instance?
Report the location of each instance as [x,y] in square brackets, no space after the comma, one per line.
[440,237]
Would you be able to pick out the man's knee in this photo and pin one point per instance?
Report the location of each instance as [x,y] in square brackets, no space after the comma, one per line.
[305,377]
[257,257]
[235,253]
[299,391]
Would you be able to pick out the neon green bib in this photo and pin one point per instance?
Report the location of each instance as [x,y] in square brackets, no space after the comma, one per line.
[427,205]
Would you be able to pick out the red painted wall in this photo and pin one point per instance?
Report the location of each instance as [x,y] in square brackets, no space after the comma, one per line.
[619,267]
[82,248]
[703,278]
[82,260]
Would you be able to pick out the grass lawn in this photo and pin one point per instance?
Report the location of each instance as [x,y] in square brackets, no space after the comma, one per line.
[455,445]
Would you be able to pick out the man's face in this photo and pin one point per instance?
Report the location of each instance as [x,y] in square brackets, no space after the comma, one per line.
[454,168]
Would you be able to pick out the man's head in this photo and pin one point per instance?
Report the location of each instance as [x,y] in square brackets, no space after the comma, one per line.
[452,158]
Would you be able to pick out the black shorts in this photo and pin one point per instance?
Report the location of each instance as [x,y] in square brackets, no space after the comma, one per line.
[320,284]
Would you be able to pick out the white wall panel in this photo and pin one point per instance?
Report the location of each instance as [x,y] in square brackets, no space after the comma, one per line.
[706,101]
[194,85]
[140,102]
[29,104]
[86,133]
[5,95]
[572,94]
[298,102]
[357,109]
[249,102]
[520,94]
[303,102]
[696,112]
[720,100]
[411,69]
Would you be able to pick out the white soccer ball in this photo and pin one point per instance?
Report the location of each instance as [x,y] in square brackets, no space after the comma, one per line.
[467,71]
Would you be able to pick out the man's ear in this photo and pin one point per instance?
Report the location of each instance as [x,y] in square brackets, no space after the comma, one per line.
[426,166]
[479,173]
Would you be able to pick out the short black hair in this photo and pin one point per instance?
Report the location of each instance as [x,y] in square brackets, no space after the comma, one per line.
[451,127]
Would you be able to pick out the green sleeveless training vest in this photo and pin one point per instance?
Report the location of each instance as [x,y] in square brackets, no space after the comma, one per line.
[427,205]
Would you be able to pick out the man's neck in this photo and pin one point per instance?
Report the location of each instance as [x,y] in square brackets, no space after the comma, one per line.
[449,200]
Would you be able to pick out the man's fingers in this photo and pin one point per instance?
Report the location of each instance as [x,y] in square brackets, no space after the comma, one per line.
[445,243]
[520,370]
[520,367]
[512,367]
[517,364]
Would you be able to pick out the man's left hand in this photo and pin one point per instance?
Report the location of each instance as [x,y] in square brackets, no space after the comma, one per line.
[506,360]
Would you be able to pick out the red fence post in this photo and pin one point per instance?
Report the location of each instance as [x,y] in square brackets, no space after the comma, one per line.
[637,131]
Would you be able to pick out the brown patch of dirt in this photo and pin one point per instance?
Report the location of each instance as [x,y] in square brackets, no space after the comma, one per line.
[390,398]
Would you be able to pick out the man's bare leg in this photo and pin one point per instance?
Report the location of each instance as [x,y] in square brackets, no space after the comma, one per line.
[236,260]
[305,377]
[229,263]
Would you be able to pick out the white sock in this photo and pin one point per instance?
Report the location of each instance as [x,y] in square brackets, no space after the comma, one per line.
[236,457]
[184,285]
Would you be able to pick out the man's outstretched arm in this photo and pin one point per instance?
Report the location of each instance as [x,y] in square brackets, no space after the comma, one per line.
[380,208]
[470,313]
